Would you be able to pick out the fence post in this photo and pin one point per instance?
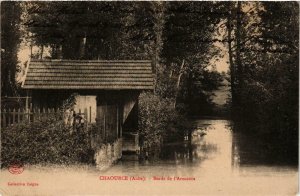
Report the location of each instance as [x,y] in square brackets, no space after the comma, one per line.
[44,112]
[51,112]
[19,111]
[90,114]
[29,113]
[4,118]
[8,115]
[24,114]
[48,113]
[27,102]
[39,113]
[86,119]
[33,114]
[13,117]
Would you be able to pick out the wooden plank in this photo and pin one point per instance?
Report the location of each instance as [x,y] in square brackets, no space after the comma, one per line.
[86,114]
[100,121]
[90,120]
[43,112]
[19,115]
[9,113]
[14,116]
[27,102]
[34,114]
[118,122]
[24,114]
[111,122]
[4,117]
[38,114]
[29,115]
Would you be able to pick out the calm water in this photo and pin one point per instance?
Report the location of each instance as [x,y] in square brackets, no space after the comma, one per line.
[214,146]
[219,161]
[218,156]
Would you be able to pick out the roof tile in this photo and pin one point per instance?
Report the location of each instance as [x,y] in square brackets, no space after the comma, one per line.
[89,74]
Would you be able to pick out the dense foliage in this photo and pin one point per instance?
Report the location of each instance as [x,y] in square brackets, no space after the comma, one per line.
[265,62]
[186,52]
[159,122]
[158,117]
[263,41]
[45,141]
[10,40]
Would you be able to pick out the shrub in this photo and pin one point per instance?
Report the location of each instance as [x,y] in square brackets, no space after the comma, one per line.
[45,141]
[159,121]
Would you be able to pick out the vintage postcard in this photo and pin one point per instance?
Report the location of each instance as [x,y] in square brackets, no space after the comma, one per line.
[149,98]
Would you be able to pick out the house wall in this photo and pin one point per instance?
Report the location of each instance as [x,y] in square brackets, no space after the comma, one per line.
[108,154]
[87,104]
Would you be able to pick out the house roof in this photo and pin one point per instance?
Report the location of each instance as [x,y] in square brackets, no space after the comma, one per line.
[88,74]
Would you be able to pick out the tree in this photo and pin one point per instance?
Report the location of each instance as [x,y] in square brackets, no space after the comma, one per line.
[10,40]
[188,39]
[264,65]
[105,30]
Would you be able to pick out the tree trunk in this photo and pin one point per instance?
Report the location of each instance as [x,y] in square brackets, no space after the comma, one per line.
[238,44]
[178,81]
[238,106]
[42,51]
[59,52]
[180,75]
[30,50]
[230,54]
[82,47]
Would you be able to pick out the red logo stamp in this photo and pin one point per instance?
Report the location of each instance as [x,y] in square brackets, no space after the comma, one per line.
[16,168]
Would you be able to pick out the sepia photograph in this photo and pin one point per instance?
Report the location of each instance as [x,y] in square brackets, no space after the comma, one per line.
[149,98]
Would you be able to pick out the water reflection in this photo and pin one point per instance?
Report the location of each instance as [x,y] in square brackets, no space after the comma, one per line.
[213,148]
[214,139]
[252,149]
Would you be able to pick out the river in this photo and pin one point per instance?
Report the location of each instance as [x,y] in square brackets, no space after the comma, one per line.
[218,162]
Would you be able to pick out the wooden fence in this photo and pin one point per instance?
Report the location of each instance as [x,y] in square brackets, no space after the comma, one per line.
[11,117]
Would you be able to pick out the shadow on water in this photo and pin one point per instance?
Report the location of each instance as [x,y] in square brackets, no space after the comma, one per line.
[214,147]
[246,148]
[255,149]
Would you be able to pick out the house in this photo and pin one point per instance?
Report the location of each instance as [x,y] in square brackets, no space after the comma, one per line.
[107,91]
